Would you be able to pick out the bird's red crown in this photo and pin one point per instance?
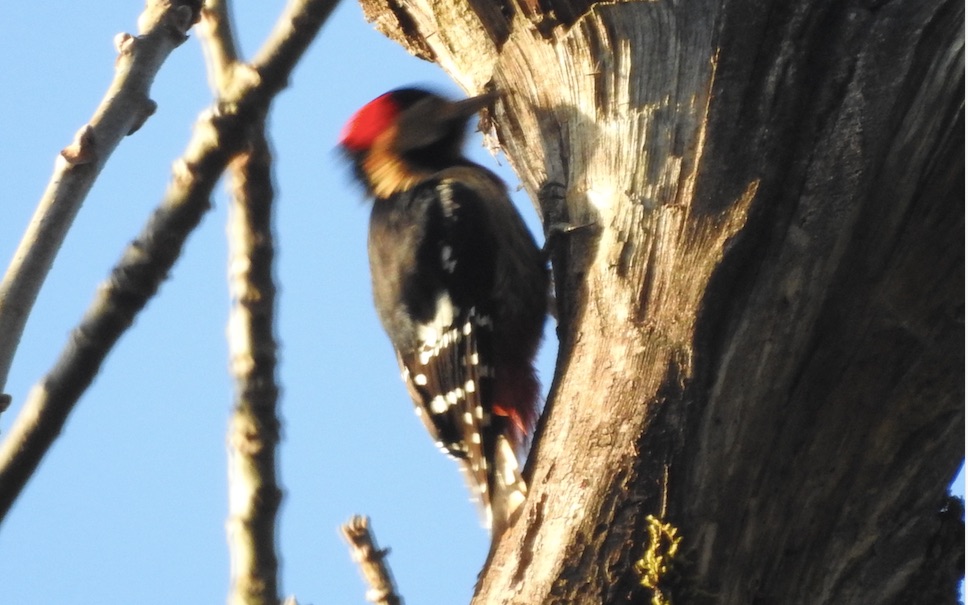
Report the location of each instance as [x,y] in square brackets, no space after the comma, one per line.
[369,122]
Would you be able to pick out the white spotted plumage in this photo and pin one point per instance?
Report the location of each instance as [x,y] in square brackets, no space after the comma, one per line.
[459,284]
[447,381]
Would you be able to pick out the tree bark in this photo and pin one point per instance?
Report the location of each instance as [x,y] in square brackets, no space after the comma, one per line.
[759,392]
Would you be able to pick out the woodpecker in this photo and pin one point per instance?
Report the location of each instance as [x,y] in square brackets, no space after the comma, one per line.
[459,285]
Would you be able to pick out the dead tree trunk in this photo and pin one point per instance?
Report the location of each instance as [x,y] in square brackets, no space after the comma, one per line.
[762,338]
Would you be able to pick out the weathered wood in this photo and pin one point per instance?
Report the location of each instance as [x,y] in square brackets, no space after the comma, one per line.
[762,339]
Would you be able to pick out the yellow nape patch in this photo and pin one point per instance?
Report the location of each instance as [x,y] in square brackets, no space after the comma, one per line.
[386,171]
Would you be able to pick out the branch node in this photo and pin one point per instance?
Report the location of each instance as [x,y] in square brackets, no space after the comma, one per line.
[178,16]
[147,109]
[245,75]
[84,148]
[180,20]
[124,42]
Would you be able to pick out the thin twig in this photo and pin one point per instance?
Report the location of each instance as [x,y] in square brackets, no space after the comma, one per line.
[219,135]
[372,561]
[126,105]
[133,281]
[254,493]
[218,43]
[289,38]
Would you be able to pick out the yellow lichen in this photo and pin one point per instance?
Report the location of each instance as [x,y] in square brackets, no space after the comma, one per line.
[659,559]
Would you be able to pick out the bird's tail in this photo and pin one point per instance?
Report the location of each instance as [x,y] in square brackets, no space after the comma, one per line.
[508,489]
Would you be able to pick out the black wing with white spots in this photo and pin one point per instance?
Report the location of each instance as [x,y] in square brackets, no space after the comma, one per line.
[433,292]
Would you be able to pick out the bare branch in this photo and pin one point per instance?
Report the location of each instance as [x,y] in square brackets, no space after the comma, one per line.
[219,135]
[289,39]
[218,43]
[126,105]
[254,494]
[136,277]
[372,561]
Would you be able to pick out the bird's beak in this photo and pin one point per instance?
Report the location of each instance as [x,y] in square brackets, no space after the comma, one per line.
[465,108]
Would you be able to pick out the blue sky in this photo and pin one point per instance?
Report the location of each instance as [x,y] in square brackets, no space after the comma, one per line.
[130,504]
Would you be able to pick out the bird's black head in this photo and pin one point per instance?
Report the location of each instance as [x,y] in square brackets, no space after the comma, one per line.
[405,135]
